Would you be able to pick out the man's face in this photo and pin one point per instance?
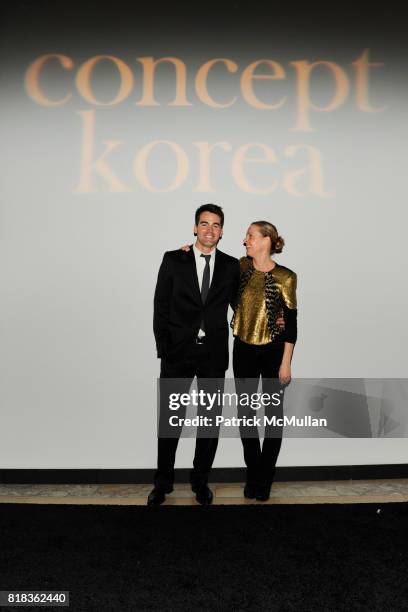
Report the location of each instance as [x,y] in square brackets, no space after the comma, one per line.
[208,230]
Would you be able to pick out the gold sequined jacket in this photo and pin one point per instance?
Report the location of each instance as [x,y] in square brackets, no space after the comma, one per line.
[262,298]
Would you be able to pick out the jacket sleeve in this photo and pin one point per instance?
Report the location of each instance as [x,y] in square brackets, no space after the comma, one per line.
[235,286]
[290,308]
[161,311]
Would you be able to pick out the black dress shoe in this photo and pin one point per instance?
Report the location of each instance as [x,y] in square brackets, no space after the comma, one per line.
[204,495]
[263,493]
[250,491]
[156,497]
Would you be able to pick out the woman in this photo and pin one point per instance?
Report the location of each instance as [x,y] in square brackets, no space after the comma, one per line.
[261,347]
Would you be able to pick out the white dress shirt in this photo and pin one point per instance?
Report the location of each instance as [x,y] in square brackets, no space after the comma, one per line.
[200,265]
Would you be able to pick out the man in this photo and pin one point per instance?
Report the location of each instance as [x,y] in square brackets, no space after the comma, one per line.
[190,325]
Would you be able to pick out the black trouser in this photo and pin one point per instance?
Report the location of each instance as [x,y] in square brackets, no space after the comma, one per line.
[197,362]
[250,362]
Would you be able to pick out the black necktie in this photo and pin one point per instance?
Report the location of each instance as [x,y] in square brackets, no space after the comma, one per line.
[205,285]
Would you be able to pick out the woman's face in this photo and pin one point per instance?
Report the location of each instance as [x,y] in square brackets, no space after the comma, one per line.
[255,243]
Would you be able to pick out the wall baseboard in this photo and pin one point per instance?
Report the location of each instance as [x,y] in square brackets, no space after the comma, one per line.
[145,476]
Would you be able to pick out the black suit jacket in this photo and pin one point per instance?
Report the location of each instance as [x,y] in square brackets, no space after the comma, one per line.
[178,308]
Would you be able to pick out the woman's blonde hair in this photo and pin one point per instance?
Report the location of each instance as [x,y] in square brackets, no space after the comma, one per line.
[268,229]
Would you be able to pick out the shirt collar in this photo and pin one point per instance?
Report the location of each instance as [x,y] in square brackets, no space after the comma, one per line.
[198,253]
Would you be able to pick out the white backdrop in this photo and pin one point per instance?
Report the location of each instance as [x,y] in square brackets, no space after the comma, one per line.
[80,256]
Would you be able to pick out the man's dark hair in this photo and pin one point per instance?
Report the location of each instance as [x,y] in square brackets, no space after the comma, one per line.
[212,208]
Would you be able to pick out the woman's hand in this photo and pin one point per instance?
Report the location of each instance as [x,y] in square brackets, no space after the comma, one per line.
[284,373]
[280,322]
[185,247]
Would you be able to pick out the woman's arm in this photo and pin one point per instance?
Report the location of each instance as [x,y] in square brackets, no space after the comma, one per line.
[285,366]
[290,316]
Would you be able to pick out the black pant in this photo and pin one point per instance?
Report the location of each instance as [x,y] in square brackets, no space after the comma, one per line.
[197,362]
[250,362]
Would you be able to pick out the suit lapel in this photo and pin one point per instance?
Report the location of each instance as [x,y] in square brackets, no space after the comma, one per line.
[217,276]
[193,278]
